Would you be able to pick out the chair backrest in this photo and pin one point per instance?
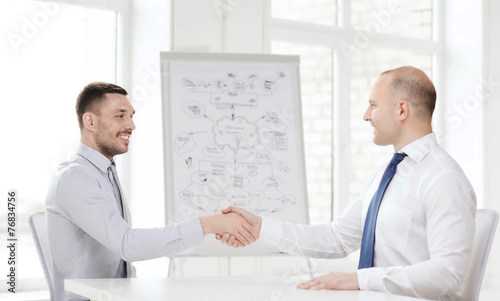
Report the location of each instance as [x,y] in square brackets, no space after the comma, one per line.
[486,224]
[38,227]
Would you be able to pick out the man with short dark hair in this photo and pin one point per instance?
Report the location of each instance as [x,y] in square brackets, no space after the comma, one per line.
[414,222]
[88,221]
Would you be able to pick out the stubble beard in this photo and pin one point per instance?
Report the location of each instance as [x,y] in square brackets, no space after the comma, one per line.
[106,146]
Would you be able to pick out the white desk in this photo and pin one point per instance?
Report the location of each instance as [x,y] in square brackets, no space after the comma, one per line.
[254,288]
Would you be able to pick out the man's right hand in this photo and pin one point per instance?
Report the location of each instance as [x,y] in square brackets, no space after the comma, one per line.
[254,220]
[232,223]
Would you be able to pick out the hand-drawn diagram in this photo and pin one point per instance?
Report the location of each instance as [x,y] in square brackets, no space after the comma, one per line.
[234,140]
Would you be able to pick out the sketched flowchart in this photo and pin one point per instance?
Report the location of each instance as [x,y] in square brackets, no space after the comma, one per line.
[236,165]
[233,135]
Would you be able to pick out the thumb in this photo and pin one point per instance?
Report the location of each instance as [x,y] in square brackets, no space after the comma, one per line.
[227,210]
[238,210]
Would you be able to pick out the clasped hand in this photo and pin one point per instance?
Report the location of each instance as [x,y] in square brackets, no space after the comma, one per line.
[251,224]
[234,226]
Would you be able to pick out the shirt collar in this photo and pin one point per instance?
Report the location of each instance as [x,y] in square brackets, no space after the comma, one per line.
[418,149]
[93,156]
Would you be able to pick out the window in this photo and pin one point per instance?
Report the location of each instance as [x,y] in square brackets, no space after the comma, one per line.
[316,88]
[50,51]
[318,12]
[344,46]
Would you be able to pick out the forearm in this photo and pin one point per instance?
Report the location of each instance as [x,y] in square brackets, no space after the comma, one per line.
[428,280]
[317,241]
[109,229]
[142,244]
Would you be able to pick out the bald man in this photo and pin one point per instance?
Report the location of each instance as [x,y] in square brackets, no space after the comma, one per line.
[426,218]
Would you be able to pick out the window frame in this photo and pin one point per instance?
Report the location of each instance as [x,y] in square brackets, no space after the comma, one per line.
[123,41]
[335,37]
[122,76]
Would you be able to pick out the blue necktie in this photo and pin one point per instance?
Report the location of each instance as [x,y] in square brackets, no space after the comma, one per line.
[368,241]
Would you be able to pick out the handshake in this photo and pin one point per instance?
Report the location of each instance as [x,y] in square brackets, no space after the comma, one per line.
[233,226]
[237,227]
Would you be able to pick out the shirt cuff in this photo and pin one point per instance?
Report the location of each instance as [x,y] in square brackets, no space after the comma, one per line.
[271,230]
[191,232]
[371,279]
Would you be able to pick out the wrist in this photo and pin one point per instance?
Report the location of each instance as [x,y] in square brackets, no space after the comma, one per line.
[258,226]
[206,224]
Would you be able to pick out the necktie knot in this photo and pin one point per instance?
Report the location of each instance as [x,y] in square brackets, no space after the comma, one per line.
[397,158]
[112,166]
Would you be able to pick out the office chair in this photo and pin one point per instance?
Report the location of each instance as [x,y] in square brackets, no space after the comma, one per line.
[38,227]
[486,224]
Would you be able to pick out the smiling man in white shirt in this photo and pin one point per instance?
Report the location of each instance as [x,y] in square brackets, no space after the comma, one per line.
[88,221]
[426,221]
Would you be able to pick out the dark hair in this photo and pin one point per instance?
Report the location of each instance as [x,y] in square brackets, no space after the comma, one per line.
[415,85]
[92,95]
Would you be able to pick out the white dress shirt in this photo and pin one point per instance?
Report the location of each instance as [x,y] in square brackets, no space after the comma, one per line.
[88,236]
[424,231]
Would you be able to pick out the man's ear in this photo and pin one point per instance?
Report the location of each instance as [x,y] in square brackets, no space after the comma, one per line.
[89,121]
[403,109]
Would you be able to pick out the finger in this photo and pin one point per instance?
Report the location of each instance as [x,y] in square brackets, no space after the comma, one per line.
[239,232]
[217,236]
[308,284]
[303,286]
[225,238]
[239,210]
[318,287]
[228,239]
[231,240]
[236,244]
[242,235]
[246,234]
[239,244]
[227,210]
[251,221]
[252,232]
[247,231]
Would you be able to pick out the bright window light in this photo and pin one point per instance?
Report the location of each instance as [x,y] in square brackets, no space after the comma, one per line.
[50,51]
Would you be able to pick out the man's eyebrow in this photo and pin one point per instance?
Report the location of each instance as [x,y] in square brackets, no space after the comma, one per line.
[124,111]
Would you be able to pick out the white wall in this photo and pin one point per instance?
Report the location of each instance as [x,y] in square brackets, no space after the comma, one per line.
[149,34]
[463,73]
[471,94]
[491,124]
